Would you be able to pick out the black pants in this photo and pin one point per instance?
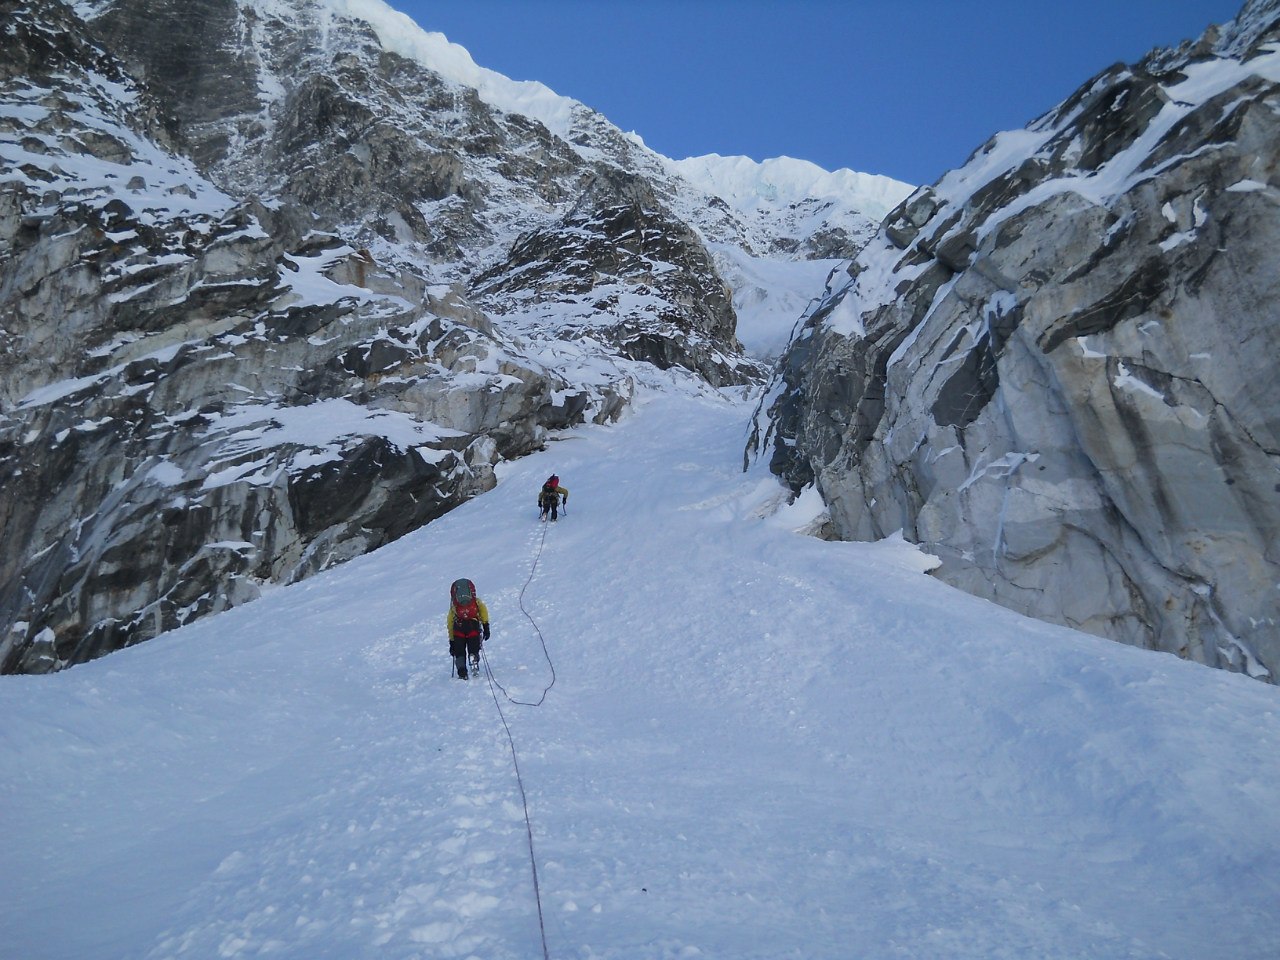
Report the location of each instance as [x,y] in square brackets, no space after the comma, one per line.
[460,648]
[550,506]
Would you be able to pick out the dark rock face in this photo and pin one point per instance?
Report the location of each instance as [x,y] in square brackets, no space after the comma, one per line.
[239,345]
[193,57]
[416,168]
[1055,369]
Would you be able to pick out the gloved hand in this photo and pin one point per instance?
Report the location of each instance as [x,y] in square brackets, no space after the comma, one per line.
[486,630]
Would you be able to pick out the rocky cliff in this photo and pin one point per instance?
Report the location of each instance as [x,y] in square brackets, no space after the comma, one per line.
[282,280]
[1056,368]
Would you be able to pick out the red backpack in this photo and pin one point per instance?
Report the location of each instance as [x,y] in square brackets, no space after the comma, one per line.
[466,613]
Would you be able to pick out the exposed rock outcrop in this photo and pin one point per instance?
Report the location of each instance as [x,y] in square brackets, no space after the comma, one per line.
[240,345]
[1056,368]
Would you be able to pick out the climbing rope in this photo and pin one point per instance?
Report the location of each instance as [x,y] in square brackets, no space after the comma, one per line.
[536,629]
[524,802]
[494,687]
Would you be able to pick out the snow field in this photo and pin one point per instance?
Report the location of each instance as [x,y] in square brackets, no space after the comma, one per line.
[757,745]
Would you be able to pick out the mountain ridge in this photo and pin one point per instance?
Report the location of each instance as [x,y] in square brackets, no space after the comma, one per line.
[249,207]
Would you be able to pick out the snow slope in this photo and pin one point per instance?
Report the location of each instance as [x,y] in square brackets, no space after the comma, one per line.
[770,296]
[782,202]
[750,744]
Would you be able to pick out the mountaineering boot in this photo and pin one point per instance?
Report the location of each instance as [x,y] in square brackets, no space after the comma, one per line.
[461,664]
[475,664]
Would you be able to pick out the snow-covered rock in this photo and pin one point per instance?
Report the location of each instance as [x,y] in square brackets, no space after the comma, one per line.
[282,280]
[793,206]
[1056,368]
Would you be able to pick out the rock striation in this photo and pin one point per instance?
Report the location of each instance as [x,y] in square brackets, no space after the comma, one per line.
[1056,368]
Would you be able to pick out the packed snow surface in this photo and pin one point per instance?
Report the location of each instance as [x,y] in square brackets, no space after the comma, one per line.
[750,743]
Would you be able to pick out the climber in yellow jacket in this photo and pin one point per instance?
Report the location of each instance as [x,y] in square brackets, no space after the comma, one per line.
[467,625]
[550,497]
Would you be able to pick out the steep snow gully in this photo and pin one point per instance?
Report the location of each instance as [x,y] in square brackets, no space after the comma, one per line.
[758,745]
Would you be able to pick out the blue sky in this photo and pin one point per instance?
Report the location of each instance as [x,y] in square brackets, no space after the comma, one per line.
[906,88]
